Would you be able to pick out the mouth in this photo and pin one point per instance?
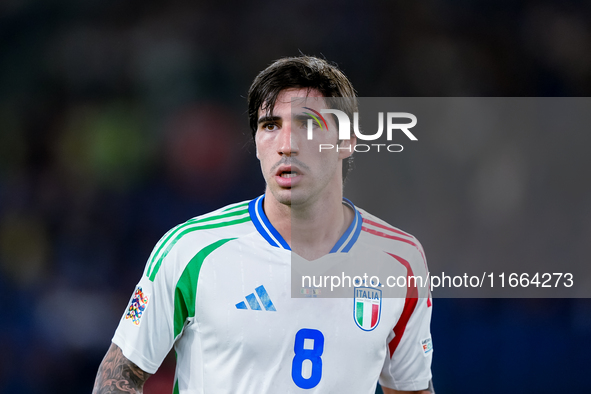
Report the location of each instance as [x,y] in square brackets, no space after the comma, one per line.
[288,174]
[287,171]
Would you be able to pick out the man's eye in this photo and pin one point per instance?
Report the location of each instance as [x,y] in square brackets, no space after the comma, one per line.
[302,123]
[314,123]
[270,127]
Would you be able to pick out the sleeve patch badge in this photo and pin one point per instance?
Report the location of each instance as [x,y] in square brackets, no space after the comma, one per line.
[137,306]
[427,346]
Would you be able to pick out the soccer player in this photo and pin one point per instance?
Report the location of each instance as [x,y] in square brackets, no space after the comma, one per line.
[217,287]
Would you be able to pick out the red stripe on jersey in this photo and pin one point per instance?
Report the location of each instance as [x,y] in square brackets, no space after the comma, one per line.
[410,303]
[375,312]
[376,224]
[384,235]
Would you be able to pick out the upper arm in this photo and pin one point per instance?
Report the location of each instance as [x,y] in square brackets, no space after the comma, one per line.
[147,330]
[145,333]
[407,364]
[117,374]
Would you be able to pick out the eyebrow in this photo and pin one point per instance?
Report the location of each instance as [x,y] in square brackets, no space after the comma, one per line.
[301,117]
[264,119]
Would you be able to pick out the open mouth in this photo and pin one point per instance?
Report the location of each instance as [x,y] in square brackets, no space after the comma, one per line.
[288,174]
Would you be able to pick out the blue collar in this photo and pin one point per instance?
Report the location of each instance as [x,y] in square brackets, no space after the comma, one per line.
[266,229]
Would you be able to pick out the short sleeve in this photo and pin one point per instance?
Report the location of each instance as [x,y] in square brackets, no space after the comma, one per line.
[146,330]
[407,365]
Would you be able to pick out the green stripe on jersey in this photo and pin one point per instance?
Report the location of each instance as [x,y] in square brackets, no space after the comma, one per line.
[157,247]
[186,230]
[359,313]
[218,217]
[236,206]
[176,233]
[186,288]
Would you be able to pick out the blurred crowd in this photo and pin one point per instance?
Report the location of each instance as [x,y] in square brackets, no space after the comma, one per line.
[109,111]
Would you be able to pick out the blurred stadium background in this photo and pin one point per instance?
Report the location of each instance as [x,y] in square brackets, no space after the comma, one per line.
[109,109]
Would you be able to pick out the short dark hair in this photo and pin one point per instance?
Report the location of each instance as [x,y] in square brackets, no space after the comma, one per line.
[301,72]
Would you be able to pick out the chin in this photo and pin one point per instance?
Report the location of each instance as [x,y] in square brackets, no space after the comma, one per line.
[289,198]
[282,196]
[284,200]
[292,199]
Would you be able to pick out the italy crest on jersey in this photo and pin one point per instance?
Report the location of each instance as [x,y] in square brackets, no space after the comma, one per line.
[367,307]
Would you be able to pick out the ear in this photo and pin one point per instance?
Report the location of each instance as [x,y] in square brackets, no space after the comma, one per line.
[347,147]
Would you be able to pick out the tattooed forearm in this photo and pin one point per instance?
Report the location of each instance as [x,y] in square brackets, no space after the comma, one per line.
[117,374]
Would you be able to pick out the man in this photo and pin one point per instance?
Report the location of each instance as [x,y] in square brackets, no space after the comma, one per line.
[217,287]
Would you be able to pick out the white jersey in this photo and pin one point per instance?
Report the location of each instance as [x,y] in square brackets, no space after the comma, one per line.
[217,288]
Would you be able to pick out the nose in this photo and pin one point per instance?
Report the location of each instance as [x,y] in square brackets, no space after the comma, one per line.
[288,144]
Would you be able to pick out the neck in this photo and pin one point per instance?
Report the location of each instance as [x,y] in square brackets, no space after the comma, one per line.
[311,229]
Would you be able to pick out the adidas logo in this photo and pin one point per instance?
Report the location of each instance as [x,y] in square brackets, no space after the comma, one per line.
[253,302]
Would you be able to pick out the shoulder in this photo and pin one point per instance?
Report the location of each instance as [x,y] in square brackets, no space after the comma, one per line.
[380,234]
[184,241]
[227,221]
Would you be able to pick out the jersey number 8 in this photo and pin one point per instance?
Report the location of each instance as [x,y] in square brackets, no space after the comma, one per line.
[302,354]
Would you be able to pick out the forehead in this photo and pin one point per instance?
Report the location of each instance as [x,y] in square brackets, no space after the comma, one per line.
[304,97]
